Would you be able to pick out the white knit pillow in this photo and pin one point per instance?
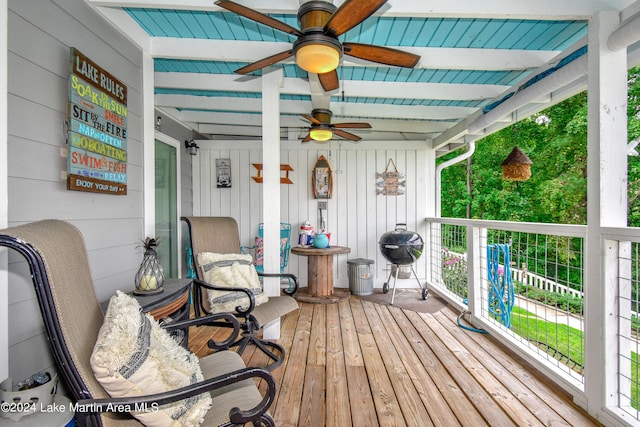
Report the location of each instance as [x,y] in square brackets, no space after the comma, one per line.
[234,271]
[134,356]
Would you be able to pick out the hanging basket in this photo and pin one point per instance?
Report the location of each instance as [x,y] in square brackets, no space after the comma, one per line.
[517,166]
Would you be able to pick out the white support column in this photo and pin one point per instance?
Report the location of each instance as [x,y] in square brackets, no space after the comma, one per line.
[149,145]
[432,234]
[4,196]
[607,206]
[271,84]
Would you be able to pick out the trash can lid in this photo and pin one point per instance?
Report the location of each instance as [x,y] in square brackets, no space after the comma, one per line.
[360,261]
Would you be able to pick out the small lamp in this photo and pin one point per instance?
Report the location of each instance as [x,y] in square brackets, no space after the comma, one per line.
[192,147]
[317,58]
[320,133]
[517,166]
[317,53]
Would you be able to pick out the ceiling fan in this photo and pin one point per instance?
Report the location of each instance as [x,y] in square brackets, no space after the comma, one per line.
[322,130]
[317,49]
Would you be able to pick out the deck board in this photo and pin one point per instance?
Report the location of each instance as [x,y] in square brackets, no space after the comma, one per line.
[365,364]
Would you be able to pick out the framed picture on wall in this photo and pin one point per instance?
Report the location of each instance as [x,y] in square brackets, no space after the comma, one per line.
[321,179]
[223,173]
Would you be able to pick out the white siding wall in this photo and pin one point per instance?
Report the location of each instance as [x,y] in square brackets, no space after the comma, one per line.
[356,216]
[40,35]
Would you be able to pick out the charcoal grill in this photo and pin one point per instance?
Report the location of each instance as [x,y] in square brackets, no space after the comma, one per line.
[401,248]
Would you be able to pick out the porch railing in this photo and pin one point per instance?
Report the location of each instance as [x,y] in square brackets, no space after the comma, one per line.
[545,264]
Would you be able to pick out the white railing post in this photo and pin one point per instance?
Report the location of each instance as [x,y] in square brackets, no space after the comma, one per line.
[475,238]
[621,325]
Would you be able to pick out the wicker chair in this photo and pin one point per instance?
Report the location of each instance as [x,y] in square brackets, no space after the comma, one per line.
[220,235]
[57,258]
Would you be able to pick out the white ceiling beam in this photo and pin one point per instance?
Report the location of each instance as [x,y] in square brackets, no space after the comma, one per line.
[542,9]
[224,103]
[343,109]
[127,26]
[379,125]
[448,91]
[232,130]
[402,112]
[270,6]
[226,82]
[432,58]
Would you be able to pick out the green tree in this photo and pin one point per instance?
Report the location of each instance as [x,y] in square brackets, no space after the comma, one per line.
[556,142]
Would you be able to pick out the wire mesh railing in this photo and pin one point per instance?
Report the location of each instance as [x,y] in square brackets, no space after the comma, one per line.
[530,284]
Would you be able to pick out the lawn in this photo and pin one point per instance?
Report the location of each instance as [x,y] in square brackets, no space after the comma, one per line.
[564,343]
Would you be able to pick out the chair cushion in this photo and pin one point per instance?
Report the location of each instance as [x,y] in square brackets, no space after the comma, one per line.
[134,356]
[234,271]
[259,258]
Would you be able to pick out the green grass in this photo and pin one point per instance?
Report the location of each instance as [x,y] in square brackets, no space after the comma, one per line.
[567,341]
[561,341]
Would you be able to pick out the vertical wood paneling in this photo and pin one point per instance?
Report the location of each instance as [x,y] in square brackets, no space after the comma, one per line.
[356,218]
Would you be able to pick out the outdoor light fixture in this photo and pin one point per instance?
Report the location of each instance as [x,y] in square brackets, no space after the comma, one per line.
[320,133]
[158,122]
[192,147]
[316,52]
[317,55]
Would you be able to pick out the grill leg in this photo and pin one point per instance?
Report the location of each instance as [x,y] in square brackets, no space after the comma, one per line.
[395,280]
[416,276]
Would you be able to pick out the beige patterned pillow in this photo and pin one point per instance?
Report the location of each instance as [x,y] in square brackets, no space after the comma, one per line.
[134,356]
[232,270]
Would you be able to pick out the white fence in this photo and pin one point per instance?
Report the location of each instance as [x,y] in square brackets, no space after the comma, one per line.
[534,280]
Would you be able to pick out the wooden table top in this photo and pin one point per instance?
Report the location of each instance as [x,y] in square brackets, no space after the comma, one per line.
[311,251]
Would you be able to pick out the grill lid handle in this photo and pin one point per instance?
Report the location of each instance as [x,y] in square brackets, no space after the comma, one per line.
[401,226]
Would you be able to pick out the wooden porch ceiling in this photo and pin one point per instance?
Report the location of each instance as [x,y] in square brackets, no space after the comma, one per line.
[364,364]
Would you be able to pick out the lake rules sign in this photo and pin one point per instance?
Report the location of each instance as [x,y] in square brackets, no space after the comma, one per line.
[97,131]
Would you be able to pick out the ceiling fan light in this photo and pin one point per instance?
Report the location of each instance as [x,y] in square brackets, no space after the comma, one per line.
[320,134]
[317,58]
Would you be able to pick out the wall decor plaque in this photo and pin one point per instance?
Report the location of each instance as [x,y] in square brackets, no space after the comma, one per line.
[390,182]
[96,129]
[322,179]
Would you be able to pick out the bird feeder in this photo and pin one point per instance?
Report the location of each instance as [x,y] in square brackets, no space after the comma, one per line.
[517,166]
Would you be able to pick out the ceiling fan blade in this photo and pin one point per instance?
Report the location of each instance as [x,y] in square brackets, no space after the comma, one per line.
[381,55]
[264,62]
[350,14]
[329,81]
[352,125]
[346,135]
[311,119]
[307,138]
[254,15]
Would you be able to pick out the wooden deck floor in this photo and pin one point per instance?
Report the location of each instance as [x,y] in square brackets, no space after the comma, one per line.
[364,364]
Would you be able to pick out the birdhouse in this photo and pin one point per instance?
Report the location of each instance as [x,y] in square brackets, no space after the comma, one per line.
[517,166]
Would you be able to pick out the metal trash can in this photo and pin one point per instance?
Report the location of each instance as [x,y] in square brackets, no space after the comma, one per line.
[361,272]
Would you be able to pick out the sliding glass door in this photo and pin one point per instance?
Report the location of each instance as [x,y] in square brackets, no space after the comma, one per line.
[166,210]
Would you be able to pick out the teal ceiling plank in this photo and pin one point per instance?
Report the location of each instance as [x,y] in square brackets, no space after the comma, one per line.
[191,21]
[486,33]
[209,23]
[568,35]
[503,29]
[461,33]
[441,35]
[412,32]
[518,37]
[146,21]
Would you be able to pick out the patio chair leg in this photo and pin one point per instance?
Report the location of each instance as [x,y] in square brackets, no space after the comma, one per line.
[266,347]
